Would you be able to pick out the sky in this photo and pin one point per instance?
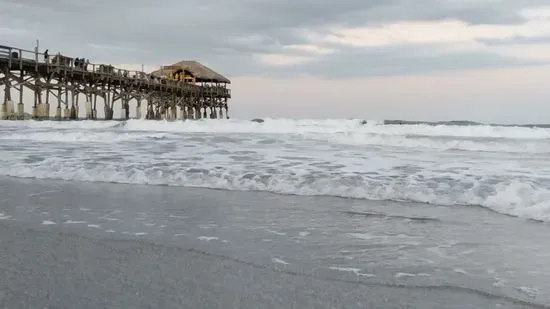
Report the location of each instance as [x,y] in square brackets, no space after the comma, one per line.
[430,60]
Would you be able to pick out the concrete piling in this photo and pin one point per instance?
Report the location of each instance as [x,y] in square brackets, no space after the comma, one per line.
[174,112]
[4,111]
[10,108]
[74,112]
[46,110]
[40,111]
[89,111]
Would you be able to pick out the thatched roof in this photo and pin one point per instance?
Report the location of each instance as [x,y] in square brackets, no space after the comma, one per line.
[201,72]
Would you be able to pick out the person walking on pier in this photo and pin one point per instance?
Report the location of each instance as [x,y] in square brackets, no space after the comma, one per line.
[46,56]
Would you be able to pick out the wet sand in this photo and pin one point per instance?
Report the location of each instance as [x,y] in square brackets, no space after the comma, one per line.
[90,245]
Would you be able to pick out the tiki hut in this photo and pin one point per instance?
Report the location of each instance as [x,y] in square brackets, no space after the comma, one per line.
[197,72]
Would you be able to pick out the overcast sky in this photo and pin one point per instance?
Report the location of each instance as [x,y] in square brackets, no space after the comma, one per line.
[374,59]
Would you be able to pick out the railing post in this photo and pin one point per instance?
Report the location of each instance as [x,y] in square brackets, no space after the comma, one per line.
[36,55]
[9,57]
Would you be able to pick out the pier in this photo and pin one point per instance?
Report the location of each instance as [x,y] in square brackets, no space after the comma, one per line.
[183,90]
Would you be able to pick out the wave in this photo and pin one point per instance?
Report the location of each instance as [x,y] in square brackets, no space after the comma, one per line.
[418,143]
[464,123]
[427,143]
[521,198]
[335,126]
[353,133]
[291,126]
[511,179]
[68,136]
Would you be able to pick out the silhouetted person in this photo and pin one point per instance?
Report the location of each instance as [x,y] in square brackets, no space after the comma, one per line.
[46,56]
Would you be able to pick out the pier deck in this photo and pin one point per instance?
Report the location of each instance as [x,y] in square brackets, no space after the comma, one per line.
[202,93]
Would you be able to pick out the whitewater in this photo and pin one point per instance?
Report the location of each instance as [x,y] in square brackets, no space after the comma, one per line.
[502,168]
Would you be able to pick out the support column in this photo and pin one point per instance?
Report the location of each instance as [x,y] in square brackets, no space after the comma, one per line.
[4,111]
[181,113]
[94,108]
[40,111]
[67,113]
[125,110]
[89,111]
[213,113]
[174,110]
[190,112]
[58,113]
[150,112]
[108,112]
[197,113]
[74,112]
[220,113]
[20,110]
[138,111]
[35,112]
[161,113]
[47,111]
[11,109]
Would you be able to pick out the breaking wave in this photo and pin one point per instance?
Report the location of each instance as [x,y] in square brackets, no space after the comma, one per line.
[501,168]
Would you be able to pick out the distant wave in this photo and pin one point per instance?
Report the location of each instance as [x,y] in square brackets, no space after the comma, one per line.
[451,135]
[462,123]
[100,123]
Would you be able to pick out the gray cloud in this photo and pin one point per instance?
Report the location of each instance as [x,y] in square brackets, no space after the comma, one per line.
[227,34]
[403,60]
[517,40]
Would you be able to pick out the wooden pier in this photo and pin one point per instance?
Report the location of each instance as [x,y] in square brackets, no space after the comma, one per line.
[184,90]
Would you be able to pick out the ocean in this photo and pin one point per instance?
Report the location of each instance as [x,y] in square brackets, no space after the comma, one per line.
[278,213]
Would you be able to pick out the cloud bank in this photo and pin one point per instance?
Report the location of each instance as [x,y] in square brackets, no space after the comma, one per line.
[332,39]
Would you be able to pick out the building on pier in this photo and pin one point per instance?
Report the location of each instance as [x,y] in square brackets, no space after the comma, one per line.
[193,70]
[197,74]
[197,92]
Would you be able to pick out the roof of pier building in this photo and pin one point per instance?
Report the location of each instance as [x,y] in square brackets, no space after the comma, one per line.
[201,72]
